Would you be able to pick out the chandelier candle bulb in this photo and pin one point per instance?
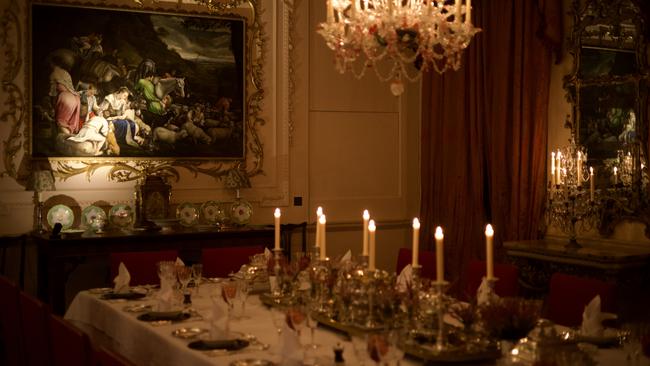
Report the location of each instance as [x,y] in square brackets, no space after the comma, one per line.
[366,218]
[321,221]
[591,182]
[458,6]
[615,175]
[319,213]
[371,238]
[416,241]
[559,167]
[277,215]
[468,12]
[489,251]
[440,262]
[579,168]
[553,168]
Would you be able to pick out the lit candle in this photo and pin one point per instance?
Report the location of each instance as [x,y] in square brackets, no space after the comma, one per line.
[416,241]
[489,251]
[468,12]
[319,213]
[330,12]
[440,262]
[277,215]
[553,182]
[591,182]
[615,175]
[366,218]
[457,16]
[321,221]
[579,167]
[371,237]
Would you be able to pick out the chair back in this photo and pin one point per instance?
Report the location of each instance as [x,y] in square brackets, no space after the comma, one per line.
[141,265]
[568,295]
[69,346]
[105,357]
[220,262]
[507,274]
[426,258]
[287,230]
[10,345]
[34,329]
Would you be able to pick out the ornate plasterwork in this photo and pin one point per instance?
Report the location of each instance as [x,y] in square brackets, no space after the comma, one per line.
[128,169]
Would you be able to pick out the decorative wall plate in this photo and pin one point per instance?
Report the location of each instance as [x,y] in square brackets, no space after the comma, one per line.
[61,214]
[188,214]
[91,215]
[121,215]
[212,212]
[241,212]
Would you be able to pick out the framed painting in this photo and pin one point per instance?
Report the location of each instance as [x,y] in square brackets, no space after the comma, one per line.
[135,84]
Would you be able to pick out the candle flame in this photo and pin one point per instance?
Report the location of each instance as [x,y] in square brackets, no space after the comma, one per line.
[416,223]
[322,219]
[439,234]
[591,170]
[615,170]
[371,226]
[319,212]
[277,213]
[488,230]
[366,215]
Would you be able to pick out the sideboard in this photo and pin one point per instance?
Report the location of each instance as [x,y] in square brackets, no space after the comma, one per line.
[626,265]
[58,256]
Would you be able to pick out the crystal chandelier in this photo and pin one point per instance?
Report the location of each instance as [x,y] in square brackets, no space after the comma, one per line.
[423,33]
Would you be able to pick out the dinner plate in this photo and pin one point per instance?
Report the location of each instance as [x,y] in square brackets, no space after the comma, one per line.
[212,212]
[92,216]
[241,212]
[121,215]
[188,333]
[123,295]
[60,214]
[153,316]
[100,290]
[219,344]
[188,214]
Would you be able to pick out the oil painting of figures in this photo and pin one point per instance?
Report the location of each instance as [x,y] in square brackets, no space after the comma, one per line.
[115,83]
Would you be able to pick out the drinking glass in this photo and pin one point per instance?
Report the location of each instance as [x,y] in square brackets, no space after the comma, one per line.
[296,318]
[312,323]
[166,273]
[243,290]
[197,273]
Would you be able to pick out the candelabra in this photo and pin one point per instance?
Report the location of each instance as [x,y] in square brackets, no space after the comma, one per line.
[570,205]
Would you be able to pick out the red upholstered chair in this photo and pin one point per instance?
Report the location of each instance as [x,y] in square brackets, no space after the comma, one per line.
[568,295]
[105,357]
[34,315]
[10,345]
[220,262]
[69,346]
[506,286]
[141,265]
[426,258]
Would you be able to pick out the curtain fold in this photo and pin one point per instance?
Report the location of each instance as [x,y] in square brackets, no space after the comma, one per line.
[484,131]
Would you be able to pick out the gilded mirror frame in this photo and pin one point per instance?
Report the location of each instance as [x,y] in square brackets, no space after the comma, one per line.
[18,114]
[608,92]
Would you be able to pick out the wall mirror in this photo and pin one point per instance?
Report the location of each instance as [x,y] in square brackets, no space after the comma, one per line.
[608,90]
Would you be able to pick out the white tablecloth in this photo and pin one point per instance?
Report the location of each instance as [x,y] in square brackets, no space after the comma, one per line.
[148,345]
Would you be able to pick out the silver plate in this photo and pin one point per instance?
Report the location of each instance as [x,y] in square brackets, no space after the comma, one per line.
[252,362]
[188,333]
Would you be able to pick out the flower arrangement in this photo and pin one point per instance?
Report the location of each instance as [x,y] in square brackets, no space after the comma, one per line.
[509,318]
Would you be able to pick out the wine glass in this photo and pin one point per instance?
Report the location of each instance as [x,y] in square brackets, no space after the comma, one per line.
[184,274]
[295,318]
[166,273]
[312,323]
[244,289]
[197,273]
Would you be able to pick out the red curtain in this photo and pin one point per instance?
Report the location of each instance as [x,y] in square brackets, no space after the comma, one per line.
[484,131]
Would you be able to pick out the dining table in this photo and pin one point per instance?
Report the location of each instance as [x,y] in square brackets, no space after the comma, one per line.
[115,324]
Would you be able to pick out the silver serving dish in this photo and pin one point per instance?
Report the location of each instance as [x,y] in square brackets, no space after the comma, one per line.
[252,362]
[188,333]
